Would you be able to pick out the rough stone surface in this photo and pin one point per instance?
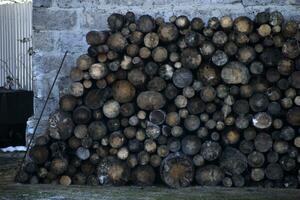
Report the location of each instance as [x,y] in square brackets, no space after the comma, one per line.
[42,3]
[61,25]
[48,19]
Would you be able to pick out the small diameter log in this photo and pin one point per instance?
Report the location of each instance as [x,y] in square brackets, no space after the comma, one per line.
[98,71]
[159,54]
[60,125]
[83,153]
[177,170]
[76,89]
[76,74]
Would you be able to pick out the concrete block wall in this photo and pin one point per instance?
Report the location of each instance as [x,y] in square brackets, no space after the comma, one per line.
[61,25]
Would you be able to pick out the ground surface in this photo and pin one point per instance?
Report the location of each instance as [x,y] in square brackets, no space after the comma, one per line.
[12,191]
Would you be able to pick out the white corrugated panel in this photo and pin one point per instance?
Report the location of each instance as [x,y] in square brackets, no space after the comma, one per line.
[16,43]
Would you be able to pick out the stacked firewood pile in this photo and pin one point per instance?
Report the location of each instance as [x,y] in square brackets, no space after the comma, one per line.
[179,102]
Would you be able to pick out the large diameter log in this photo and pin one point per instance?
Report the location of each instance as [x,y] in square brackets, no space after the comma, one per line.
[136,77]
[235,73]
[117,42]
[113,171]
[97,130]
[295,79]
[39,154]
[146,24]
[190,145]
[82,115]
[177,170]
[291,49]
[233,161]
[60,125]
[151,40]
[84,62]
[159,54]
[67,103]
[116,21]
[167,32]
[123,91]
[59,166]
[243,25]
[150,100]
[191,58]
[270,56]
[209,175]
[143,175]
[293,116]
[182,77]
[95,98]
[96,37]
[263,142]
[262,120]
[111,109]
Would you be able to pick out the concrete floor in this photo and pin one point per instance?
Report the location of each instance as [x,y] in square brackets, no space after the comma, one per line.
[12,191]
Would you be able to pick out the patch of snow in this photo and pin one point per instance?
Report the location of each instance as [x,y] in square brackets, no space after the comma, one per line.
[12,149]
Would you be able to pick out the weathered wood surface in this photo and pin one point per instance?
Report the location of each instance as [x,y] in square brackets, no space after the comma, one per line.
[12,191]
[43,192]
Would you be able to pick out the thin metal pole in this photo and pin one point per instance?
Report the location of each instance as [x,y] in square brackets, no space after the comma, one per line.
[42,112]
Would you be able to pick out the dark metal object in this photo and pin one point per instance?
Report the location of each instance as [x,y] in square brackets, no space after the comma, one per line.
[42,112]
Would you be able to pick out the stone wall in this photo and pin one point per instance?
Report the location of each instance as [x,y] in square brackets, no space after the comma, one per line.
[61,25]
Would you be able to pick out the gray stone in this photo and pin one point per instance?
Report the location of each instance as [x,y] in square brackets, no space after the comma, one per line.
[44,40]
[65,41]
[270,2]
[46,19]
[51,106]
[226,1]
[45,63]
[42,3]
[94,19]
[70,3]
